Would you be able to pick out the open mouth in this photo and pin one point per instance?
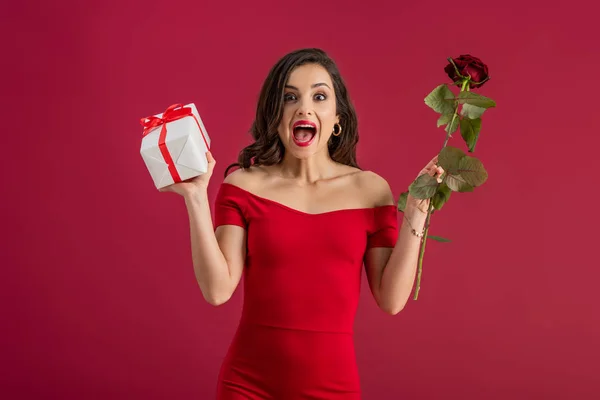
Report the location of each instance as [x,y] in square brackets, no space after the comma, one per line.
[304,132]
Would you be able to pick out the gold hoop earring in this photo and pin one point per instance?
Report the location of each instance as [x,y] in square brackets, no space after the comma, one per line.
[337,132]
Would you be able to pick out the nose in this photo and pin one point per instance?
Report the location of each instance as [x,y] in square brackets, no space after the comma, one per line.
[305,107]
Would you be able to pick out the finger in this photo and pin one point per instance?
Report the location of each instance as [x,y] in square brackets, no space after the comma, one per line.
[211,163]
[209,157]
[168,188]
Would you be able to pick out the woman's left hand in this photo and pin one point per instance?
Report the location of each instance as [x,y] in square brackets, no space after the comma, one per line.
[432,170]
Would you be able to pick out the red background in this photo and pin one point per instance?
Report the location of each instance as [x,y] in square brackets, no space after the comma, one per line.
[98,293]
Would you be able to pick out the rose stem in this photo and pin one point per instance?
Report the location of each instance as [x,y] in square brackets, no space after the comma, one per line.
[465,86]
[422,252]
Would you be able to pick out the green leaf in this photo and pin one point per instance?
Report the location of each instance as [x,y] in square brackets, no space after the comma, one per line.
[444,119]
[449,158]
[441,99]
[453,125]
[469,130]
[441,196]
[472,112]
[475,100]
[402,201]
[424,187]
[457,183]
[450,121]
[438,238]
[472,171]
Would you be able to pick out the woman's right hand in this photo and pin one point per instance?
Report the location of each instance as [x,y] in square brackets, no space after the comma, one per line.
[193,185]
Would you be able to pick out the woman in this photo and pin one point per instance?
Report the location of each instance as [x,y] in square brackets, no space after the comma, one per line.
[299,219]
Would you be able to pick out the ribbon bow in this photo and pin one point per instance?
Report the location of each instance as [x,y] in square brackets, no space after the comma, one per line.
[172,113]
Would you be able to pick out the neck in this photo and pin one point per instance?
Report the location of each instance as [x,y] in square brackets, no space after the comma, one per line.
[310,170]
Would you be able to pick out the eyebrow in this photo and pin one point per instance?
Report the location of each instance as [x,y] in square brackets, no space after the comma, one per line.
[312,87]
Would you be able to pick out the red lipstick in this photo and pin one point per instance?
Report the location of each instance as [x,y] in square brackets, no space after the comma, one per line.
[304,132]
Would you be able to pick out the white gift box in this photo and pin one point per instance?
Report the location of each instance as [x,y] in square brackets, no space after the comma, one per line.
[174,145]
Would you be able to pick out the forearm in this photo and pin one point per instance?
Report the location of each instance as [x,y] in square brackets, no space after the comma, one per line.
[210,265]
[398,276]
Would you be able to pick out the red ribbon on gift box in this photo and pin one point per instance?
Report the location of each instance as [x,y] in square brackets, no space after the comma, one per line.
[172,113]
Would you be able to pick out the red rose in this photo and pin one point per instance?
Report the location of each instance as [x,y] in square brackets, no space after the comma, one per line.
[468,65]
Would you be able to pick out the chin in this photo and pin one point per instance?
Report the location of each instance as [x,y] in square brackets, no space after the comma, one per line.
[301,155]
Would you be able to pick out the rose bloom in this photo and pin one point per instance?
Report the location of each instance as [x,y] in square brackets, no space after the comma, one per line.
[468,65]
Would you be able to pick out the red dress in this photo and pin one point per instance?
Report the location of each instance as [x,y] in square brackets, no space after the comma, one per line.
[301,288]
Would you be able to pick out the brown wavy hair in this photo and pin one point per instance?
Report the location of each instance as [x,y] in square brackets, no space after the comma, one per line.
[267,148]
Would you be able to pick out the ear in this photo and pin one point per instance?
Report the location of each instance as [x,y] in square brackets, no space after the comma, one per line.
[337,119]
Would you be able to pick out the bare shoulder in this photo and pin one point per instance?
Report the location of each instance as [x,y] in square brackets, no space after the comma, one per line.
[376,188]
[246,178]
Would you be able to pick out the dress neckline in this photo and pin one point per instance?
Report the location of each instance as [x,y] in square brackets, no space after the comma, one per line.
[288,208]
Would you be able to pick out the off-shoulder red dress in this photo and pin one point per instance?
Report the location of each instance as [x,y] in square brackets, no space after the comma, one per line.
[302,280]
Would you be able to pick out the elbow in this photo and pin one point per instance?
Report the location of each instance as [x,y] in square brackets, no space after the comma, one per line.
[215,295]
[217,299]
[391,303]
[392,309]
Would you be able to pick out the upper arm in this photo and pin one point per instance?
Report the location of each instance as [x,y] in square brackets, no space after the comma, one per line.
[230,229]
[377,256]
[232,242]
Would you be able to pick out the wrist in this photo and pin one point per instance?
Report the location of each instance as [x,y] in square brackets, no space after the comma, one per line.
[418,205]
[416,223]
[413,212]
[196,197]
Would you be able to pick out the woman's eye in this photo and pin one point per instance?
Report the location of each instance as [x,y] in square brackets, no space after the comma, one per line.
[320,97]
[289,97]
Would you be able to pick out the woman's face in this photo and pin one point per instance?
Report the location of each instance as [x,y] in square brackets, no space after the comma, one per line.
[309,111]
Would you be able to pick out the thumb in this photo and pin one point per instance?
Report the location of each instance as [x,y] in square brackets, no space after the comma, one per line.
[210,158]
[211,162]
